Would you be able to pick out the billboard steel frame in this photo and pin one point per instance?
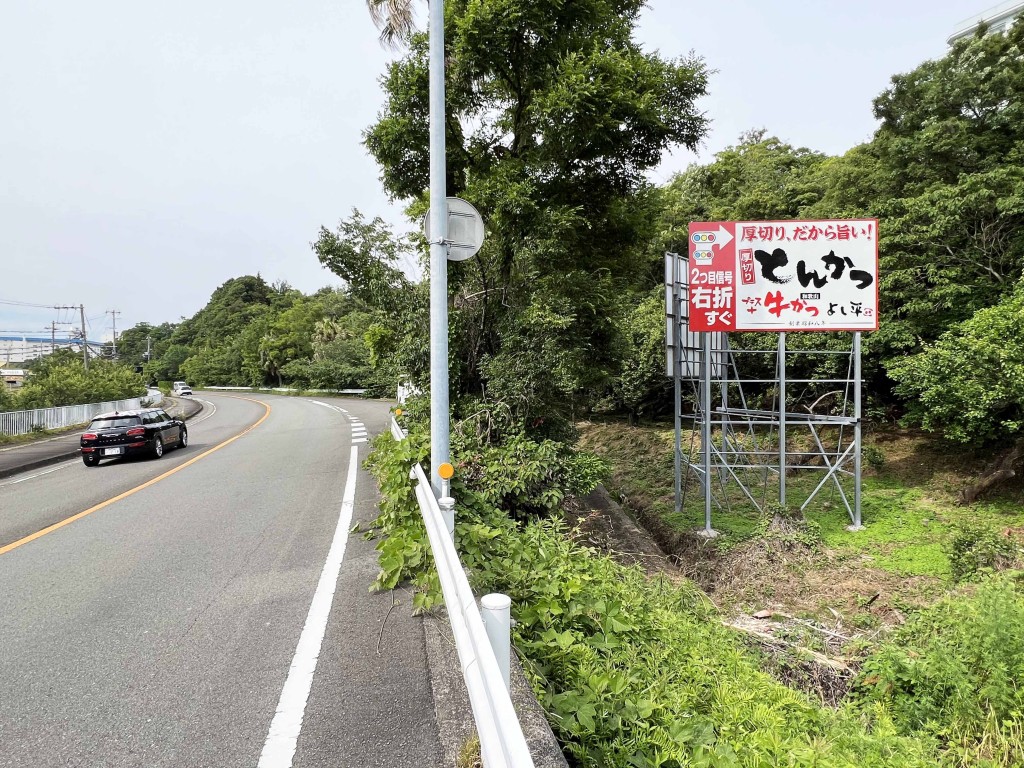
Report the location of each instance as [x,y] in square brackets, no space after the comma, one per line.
[747,446]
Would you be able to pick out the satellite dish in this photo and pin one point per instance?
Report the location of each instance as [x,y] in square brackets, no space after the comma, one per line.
[465,229]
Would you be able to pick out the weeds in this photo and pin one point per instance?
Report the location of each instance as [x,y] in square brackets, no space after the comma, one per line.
[631,671]
[953,673]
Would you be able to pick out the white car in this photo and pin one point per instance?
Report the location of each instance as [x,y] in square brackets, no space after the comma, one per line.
[181,389]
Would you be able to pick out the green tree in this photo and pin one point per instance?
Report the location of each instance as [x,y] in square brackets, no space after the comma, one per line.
[60,379]
[133,342]
[366,255]
[642,387]
[969,384]
[289,338]
[7,401]
[168,365]
[555,113]
[760,178]
[951,197]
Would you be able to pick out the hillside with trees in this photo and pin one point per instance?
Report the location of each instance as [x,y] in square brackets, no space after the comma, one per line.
[251,333]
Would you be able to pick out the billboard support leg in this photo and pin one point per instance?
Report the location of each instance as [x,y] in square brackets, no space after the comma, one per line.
[705,429]
[782,419]
[856,433]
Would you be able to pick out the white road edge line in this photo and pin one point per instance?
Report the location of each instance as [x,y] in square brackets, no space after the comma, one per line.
[65,465]
[328,405]
[205,416]
[283,737]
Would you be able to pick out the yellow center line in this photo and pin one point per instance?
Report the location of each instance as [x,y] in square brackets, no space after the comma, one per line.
[49,529]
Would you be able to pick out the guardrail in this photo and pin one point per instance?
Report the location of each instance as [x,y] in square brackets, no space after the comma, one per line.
[23,422]
[502,743]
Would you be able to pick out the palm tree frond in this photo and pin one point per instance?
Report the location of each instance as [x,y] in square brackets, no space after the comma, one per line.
[394,19]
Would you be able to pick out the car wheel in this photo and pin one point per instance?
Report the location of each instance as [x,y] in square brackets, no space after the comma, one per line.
[90,461]
[158,446]
[183,438]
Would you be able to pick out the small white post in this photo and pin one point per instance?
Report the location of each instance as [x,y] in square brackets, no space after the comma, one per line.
[447,505]
[496,611]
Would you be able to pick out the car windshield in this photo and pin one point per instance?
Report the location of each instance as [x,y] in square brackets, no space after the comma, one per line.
[115,421]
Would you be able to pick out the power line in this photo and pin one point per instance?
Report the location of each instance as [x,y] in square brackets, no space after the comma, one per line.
[26,304]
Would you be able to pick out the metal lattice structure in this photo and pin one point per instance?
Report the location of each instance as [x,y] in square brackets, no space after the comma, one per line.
[756,423]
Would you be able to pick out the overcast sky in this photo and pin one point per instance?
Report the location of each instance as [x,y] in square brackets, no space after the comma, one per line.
[149,152]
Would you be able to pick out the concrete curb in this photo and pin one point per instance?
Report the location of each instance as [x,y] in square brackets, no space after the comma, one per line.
[451,700]
[37,463]
[64,455]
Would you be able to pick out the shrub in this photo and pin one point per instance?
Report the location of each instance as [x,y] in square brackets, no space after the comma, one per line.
[954,672]
[632,672]
[62,380]
[974,551]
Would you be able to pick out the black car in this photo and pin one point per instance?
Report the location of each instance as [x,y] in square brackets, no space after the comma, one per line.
[124,433]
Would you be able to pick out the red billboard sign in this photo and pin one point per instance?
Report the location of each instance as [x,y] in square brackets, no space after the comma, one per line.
[783,275]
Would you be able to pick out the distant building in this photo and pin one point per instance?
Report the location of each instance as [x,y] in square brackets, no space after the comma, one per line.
[20,348]
[12,377]
[998,19]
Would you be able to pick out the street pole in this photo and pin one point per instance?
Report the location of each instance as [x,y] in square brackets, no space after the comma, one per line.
[113,323]
[85,339]
[438,254]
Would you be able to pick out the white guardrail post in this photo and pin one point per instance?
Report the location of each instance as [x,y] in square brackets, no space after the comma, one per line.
[496,610]
[484,651]
[447,506]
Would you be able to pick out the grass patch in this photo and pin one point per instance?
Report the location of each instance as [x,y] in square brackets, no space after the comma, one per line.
[640,671]
[908,508]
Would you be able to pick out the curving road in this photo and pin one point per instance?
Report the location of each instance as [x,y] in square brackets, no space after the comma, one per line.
[187,613]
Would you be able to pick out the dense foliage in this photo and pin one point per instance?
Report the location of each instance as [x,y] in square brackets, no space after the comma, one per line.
[61,379]
[632,672]
[254,334]
[555,113]
[944,174]
[954,672]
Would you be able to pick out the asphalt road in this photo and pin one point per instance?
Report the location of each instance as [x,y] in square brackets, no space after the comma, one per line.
[178,621]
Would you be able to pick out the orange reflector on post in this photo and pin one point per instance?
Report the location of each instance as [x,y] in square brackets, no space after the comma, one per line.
[446,471]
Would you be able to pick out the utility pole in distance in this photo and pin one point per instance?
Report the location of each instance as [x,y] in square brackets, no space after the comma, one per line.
[113,322]
[85,336]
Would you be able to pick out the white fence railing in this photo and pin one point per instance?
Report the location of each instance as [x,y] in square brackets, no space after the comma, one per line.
[502,743]
[290,389]
[23,422]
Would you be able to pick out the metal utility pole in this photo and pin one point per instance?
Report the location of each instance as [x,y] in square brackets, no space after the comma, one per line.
[85,336]
[439,426]
[113,322]
[53,336]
